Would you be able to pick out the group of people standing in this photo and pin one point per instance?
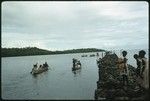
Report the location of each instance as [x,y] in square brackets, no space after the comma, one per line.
[142,71]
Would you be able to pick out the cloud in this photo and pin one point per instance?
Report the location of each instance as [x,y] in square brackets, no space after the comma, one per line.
[64,25]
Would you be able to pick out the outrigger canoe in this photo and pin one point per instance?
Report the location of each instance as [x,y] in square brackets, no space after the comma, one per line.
[39,70]
[76,67]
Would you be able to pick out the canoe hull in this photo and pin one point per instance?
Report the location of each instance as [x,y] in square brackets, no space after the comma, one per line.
[76,67]
[38,71]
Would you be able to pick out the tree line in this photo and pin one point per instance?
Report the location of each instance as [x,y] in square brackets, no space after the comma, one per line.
[27,51]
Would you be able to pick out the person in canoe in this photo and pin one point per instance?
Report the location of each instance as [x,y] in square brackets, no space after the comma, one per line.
[34,67]
[40,66]
[79,63]
[45,65]
[74,61]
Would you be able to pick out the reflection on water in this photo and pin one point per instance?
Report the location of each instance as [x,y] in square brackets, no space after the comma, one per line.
[76,72]
[36,76]
[59,82]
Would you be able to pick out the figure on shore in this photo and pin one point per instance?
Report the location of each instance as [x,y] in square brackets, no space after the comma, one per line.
[139,65]
[144,70]
[97,54]
[99,60]
[123,69]
[102,55]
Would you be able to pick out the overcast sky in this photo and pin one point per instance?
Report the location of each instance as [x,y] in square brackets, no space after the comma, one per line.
[63,25]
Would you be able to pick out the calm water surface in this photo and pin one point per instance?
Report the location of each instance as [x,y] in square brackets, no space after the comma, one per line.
[57,83]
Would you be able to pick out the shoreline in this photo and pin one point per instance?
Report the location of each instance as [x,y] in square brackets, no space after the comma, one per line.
[49,54]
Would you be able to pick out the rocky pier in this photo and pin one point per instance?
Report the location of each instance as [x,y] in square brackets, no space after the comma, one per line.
[110,84]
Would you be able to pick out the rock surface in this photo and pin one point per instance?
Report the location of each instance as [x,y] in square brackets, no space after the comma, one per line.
[110,86]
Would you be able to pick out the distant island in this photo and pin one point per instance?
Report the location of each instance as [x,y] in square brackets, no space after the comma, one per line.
[28,51]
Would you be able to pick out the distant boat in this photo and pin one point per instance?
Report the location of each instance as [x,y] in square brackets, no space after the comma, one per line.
[92,55]
[83,55]
[39,70]
[77,65]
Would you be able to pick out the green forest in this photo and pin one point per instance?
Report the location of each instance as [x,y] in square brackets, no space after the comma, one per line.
[27,51]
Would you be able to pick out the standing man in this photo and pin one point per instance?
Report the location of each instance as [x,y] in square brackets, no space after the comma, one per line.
[144,70]
[124,70]
[139,65]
